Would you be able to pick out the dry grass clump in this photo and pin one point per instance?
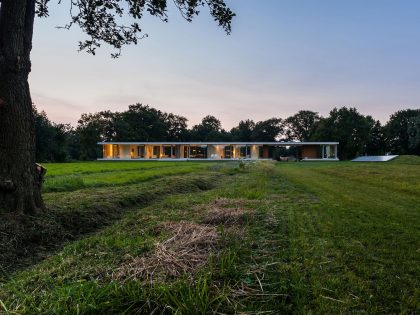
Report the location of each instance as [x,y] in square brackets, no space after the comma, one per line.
[185,252]
[222,212]
[224,216]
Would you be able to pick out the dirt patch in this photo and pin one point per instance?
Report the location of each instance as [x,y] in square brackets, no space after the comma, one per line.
[186,251]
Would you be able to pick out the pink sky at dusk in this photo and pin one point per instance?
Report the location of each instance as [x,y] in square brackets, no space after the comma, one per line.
[280,58]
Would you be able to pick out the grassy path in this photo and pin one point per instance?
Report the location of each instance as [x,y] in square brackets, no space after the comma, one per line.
[360,243]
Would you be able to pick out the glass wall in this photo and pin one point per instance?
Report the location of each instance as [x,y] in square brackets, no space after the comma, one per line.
[244,151]
[260,152]
[329,152]
[115,151]
[156,152]
[167,151]
[228,152]
[198,152]
[141,151]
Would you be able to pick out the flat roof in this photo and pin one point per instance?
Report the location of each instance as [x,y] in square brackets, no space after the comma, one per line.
[280,143]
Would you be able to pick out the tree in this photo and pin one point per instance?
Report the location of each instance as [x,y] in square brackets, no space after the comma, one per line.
[396,131]
[176,127]
[347,126]
[141,123]
[267,130]
[45,134]
[414,135]
[93,128]
[243,132]
[210,129]
[301,126]
[19,187]
[375,143]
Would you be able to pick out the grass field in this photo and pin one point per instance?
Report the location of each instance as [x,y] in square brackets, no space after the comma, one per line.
[218,238]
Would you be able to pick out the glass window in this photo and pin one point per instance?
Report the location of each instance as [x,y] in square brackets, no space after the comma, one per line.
[186,156]
[167,151]
[140,151]
[156,151]
[260,152]
[244,151]
[329,152]
[198,152]
[228,152]
[115,151]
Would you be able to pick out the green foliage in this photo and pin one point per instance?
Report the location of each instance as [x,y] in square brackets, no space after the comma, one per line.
[301,126]
[243,132]
[397,131]
[375,143]
[227,263]
[193,298]
[210,129]
[51,139]
[268,130]
[414,135]
[347,126]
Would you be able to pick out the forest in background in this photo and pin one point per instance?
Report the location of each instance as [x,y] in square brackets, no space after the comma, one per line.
[357,134]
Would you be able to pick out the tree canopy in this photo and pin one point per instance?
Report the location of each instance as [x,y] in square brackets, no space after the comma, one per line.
[301,126]
[397,130]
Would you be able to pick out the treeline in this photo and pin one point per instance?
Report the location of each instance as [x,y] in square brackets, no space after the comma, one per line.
[358,134]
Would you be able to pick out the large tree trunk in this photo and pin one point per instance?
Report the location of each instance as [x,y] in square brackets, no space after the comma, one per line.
[20,191]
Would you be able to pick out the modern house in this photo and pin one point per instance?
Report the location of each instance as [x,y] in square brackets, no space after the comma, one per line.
[308,151]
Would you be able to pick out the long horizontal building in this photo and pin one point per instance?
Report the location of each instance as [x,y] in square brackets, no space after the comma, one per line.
[310,151]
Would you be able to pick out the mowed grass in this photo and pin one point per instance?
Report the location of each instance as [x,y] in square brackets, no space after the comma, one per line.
[360,246]
[74,176]
[318,238]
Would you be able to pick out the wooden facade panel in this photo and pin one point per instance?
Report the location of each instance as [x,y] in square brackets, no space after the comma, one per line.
[311,152]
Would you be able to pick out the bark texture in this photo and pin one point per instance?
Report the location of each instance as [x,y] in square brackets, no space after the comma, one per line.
[19,188]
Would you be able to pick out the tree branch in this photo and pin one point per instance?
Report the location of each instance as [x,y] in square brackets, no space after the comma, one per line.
[102,20]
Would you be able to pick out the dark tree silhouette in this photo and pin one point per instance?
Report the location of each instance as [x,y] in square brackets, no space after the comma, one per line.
[397,131]
[267,130]
[243,132]
[347,126]
[414,135]
[301,125]
[210,129]
[19,190]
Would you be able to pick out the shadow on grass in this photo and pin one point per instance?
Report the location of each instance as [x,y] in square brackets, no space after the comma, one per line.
[25,240]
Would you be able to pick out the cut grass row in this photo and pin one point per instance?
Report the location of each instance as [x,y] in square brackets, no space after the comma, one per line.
[56,181]
[25,240]
[60,169]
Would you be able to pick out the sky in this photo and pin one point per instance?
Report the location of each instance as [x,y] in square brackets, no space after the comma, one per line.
[282,56]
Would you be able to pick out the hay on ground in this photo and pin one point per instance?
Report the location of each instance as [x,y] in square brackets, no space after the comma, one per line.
[225,211]
[186,251]
[224,216]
